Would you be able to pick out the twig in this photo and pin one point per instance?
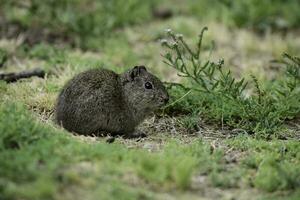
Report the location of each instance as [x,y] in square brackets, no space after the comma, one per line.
[13,77]
[177,100]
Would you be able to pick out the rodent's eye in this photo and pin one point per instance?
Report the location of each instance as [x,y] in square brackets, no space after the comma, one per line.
[148,85]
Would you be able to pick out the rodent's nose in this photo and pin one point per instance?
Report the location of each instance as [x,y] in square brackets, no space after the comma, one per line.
[166,99]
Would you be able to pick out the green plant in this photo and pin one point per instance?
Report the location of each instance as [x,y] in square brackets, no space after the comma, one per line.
[221,97]
[210,76]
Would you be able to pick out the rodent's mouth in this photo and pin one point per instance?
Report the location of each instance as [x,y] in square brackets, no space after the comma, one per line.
[164,101]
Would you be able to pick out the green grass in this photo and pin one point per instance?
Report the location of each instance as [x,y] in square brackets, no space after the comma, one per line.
[276,162]
[38,159]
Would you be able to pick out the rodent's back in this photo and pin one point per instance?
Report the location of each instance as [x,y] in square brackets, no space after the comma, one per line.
[89,81]
[87,98]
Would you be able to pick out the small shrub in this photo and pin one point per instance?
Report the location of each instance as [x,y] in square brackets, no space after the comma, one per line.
[220,97]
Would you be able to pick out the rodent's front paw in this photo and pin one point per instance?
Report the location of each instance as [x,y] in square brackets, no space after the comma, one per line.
[136,134]
[110,140]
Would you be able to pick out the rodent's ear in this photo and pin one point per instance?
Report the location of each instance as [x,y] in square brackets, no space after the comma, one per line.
[141,68]
[136,71]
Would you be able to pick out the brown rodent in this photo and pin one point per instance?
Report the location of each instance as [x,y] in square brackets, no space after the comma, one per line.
[101,100]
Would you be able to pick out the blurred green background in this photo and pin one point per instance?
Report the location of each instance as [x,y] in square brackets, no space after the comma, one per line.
[86,23]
